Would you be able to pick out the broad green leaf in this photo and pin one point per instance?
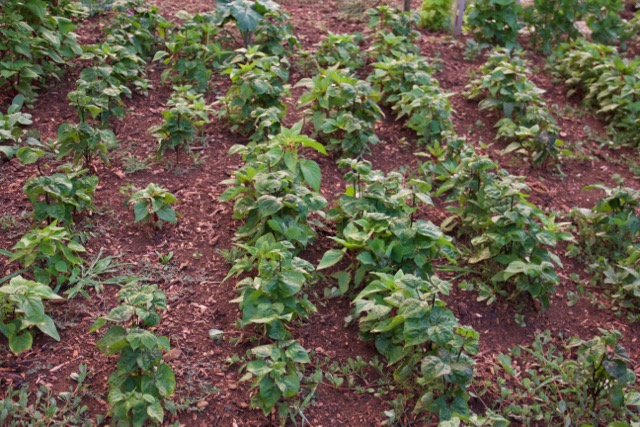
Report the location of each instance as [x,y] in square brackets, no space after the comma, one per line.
[269,205]
[165,380]
[297,353]
[141,211]
[330,258]
[20,342]
[166,213]
[312,174]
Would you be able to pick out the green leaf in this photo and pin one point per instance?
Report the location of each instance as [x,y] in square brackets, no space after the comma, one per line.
[165,380]
[296,353]
[312,174]
[433,368]
[48,327]
[269,205]
[269,395]
[20,342]
[155,411]
[166,213]
[113,341]
[28,156]
[140,338]
[330,258]
[289,384]
[141,211]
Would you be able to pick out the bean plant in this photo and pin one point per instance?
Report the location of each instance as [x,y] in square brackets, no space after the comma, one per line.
[509,236]
[152,205]
[609,238]
[183,121]
[12,128]
[392,77]
[609,81]
[343,50]
[428,111]
[503,85]
[377,230]
[397,22]
[142,383]
[37,40]
[495,21]
[21,309]
[415,331]
[193,51]
[50,252]
[343,110]
[277,190]
[61,195]
[258,83]
[574,381]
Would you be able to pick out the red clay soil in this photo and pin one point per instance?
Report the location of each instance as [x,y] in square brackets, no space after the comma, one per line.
[199,301]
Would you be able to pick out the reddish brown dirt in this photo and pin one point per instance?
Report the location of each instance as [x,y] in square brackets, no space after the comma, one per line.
[199,301]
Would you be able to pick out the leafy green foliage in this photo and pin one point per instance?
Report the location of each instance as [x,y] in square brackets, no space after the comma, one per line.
[273,296]
[609,238]
[258,85]
[578,382]
[182,122]
[275,373]
[139,305]
[428,111]
[12,133]
[100,89]
[36,44]
[503,85]
[50,252]
[343,110]
[612,224]
[508,235]
[397,22]
[395,32]
[389,45]
[277,190]
[407,84]
[85,142]
[394,76]
[193,50]
[142,383]
[412,328]
[495,21]
[436,14]
[21,308]
[624,280]
[376,227]
[604,21]
[153,204]
[609,82]
[138,25]
[246,14]
[553,21]
[341,50]
[275,34]
[61,195]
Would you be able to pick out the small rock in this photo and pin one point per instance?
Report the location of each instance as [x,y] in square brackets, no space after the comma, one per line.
[202,404]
